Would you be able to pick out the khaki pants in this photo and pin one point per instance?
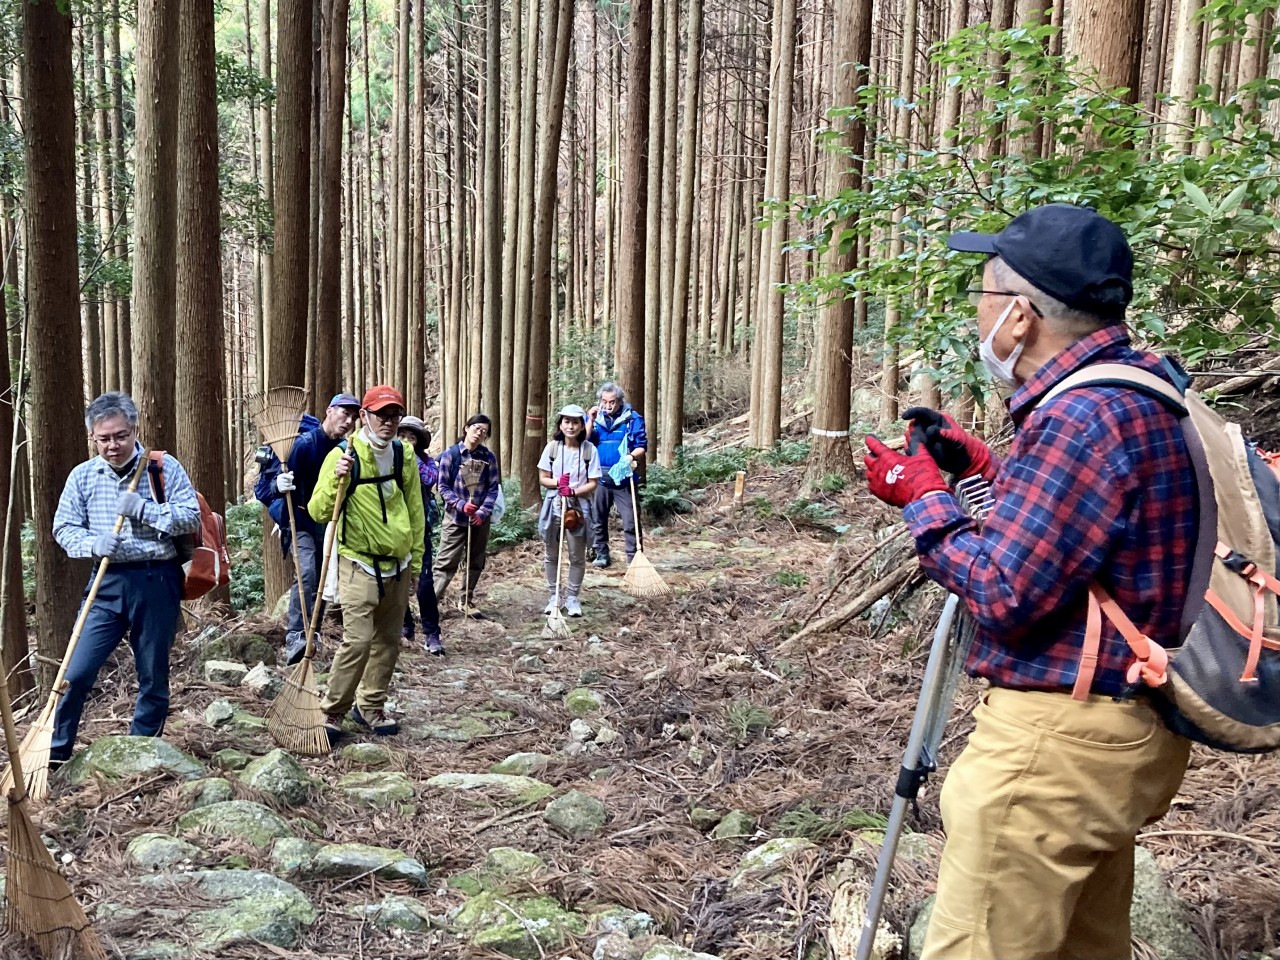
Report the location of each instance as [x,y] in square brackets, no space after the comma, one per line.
[365,661]
[1041,809]
[453,553]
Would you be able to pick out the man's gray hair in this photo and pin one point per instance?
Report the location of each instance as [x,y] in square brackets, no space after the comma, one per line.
[610,387]
[1069,320]
[114,403]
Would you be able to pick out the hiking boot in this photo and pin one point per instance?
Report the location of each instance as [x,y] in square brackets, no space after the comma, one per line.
[333,727]
[602,559]
[434,646]
[295,644]
[378,722]
[572,607]
[551,604]
[406,632]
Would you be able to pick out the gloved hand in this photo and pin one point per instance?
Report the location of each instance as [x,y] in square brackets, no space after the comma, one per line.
[954,449]
[469,509]
[477,520]
[284,482]
[564,489]
[106,544]
[901,478]
[130,504]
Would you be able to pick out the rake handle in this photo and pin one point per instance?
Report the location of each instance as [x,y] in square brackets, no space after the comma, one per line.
[297,563]
[331,537]
[564,506]
[635,512]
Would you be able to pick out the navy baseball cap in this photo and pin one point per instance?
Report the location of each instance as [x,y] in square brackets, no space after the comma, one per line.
[1071,253]
[344,400]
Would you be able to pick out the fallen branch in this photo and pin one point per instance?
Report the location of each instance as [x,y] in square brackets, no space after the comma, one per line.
[1240,384]
[851,570]
[1220,834]
[859,604]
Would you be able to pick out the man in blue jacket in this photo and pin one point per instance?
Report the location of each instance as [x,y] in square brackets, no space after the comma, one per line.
[315,440]
[617,431]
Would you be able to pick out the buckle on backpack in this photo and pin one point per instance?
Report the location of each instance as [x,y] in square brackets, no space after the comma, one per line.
[1238,563]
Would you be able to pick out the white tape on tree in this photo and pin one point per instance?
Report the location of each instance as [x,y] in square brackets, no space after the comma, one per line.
[828,433]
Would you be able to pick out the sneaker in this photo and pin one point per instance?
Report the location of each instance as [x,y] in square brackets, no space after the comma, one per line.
[434,646]
[551,604]
[295,644]
[602,559]
[572,607]
[333,726]
[377,721]
[406,632]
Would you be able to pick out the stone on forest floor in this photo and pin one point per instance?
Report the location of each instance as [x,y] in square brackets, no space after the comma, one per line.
[505,865]
[576,815]
[736,825]
[620,920]
[154,851]
[219,713]
[119,757]
[280,776]
[395,911]
[583,702]
[459,728]
[206,792]
[231,759]
[758,867]
[236,819]
[521,927]
[263,682]
[341,861]
[704,818]
[669,951]
[290,854]
[237,647]
[257,907]
[523,764]
[502,787]
[226,673]
[367,754]
[377,788]
[553,690]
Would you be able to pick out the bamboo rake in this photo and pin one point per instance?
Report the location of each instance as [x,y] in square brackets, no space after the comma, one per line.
[295,720]
[556,626]
[641,579]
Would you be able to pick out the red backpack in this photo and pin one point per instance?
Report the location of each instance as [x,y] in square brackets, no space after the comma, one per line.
[202,553]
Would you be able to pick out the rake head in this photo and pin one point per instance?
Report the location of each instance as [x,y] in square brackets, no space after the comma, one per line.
[642,580]
[557,627]
[295,720]
[276,414]
[34,755]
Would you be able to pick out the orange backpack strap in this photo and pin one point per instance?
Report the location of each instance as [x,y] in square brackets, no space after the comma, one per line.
[1152,660]
[155,469]
[1263,583]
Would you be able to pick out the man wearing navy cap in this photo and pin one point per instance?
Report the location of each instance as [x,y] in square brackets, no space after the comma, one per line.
[1068,760]
[315,440]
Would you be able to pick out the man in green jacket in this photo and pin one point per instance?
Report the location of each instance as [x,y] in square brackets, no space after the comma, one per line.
[380,533]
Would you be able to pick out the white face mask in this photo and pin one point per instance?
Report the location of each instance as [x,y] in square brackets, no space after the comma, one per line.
[1002,370]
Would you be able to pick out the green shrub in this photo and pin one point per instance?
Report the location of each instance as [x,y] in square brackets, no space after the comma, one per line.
[784,453]
[244,544]
[790,578]
[804,821]
[518,523]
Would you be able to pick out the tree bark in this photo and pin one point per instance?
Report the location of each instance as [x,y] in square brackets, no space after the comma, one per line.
[673,409]
[288,321]
[329,239]
[507,414]
[155,196]
[649,384]
[266,164]
[124,310]
[1107,35]
[632,236]
[492,190]
[201,361]
[52,315]
[1186,74]
[106,208]
[15,648]
[548,168]
[524,255]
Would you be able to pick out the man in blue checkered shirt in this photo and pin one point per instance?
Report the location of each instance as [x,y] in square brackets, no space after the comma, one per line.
[141,590]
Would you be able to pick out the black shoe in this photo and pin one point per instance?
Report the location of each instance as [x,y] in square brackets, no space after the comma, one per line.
[295,645]
[378,722]
[433,645]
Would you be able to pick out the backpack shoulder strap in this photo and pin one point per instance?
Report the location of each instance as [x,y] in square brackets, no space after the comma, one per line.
[155,472]
[1145,382]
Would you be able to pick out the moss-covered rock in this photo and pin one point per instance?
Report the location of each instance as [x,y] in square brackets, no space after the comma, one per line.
[156,851]
[371,755]
[231,759]
[119,757]
[460,728]
[502,787]
[291,854]
[238,647]
[518,926]
[736,825]
[506,865]
[583,702]
[257,908]
[576,815]
[236,819]
[523,764]
[376,787]
[340,861]
[206,792]
[280,776]
[759,866]
[396,912]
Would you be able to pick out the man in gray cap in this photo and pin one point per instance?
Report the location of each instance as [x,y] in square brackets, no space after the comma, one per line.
[1097,493]
[298,477]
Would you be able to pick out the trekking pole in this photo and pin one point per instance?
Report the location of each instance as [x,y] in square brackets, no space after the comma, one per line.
[951,641]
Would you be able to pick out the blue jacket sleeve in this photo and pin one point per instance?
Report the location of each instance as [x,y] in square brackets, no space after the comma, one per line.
[638,437]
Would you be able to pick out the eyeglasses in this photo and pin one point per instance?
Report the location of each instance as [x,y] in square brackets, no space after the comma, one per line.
[977,293]
[387,417]
[122,436]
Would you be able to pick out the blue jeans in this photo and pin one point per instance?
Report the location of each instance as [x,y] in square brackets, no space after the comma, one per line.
[428,608]
[142,599]
[308,560]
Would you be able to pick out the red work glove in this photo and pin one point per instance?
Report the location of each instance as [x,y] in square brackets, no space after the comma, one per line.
[477,520]
[469,509]
[956,450]
[564,489]
[900,478]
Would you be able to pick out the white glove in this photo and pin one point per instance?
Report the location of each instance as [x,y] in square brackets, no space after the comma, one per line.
[284,482]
